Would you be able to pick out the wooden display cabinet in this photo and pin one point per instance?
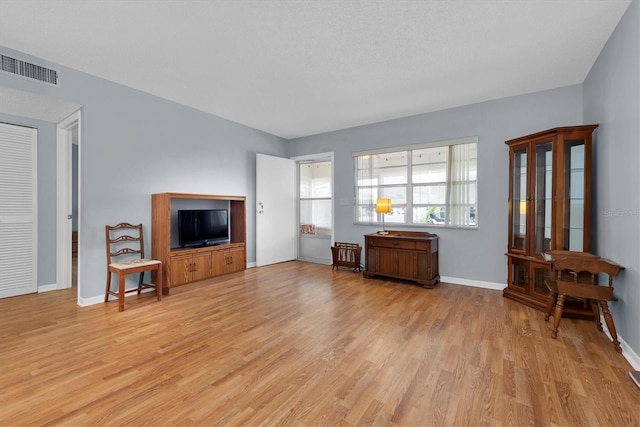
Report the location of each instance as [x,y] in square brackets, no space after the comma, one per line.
[409,255]
[186,265]
[549,206]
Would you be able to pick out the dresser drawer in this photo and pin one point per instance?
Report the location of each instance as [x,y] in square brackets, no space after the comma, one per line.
[382,242]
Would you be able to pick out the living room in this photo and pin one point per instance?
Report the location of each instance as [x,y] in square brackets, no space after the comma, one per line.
[135,144]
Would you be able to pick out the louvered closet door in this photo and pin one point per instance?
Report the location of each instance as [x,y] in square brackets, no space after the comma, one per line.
[17,210]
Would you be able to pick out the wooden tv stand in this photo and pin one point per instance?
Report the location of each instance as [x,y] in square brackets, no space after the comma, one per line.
[408,255]
[187,265]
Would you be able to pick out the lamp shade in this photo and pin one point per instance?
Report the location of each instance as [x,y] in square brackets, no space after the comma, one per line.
[383,205]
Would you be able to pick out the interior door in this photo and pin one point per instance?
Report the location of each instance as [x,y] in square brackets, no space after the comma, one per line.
[276,210]
[18,241]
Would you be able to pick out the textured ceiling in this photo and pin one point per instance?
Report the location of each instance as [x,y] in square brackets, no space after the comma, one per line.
[296,68]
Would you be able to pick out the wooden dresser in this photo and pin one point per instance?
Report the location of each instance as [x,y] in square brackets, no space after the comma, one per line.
[409,255]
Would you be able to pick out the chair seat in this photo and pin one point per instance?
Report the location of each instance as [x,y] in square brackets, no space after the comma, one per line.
[134,263]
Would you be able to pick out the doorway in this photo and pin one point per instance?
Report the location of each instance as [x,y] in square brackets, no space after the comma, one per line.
[68,201]
[315,208]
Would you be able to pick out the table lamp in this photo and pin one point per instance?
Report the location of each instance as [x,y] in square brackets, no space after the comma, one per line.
[383,206]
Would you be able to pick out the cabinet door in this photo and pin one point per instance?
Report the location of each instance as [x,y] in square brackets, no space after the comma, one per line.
[407,264]
[201,267]
[542,197]
[387,262]
[219,261]
[180,270]
[371,263]
[575,197]
[236,260]
[539,273]
[518,199]
[424,266]
[518,275]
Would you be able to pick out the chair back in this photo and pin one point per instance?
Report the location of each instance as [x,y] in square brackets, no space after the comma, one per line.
[578,276]
[575,265]
[124,241]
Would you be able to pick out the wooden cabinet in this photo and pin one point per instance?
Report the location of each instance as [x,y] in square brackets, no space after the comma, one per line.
[549,205]
[409,255]
[186,265]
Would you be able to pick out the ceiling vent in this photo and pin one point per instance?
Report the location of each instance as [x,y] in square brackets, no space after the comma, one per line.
[28,70]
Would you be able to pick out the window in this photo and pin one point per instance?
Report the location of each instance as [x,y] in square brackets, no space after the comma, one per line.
[428,184]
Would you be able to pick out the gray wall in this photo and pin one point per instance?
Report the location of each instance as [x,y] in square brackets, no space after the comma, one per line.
[466,254]
[132,145]
[611,98]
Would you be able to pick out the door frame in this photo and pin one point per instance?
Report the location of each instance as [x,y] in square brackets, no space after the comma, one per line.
[64,170]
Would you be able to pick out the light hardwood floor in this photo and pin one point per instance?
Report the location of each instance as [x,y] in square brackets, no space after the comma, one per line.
[300,344]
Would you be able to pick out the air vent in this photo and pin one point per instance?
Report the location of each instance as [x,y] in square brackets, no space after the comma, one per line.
[29,70]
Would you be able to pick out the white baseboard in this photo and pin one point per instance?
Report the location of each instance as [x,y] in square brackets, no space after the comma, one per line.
[474,283]
[251,264]
[627,351]
[47,288]
[85,302]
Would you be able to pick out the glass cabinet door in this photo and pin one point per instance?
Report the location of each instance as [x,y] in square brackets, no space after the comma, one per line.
[519,200]
[574,195]
[542,197]
[541,273]
[519,275]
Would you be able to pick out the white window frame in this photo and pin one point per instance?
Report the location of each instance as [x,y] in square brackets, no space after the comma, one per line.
[450,220]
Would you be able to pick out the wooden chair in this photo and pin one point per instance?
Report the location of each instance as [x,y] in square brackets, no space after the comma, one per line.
[576,275]
[125,255]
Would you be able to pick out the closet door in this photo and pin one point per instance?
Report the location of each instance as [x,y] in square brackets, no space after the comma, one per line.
[18,261]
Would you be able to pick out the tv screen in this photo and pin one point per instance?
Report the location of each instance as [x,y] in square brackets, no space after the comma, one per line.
[202,226]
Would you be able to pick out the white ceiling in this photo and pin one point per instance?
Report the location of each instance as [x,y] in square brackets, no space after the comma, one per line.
[296,68]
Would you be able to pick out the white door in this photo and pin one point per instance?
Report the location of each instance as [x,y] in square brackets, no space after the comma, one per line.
[276,228]
[18,260]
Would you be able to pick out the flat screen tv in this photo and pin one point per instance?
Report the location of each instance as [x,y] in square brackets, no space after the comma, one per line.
[202,227]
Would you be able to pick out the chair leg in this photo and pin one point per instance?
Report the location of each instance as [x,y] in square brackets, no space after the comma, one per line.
[596,314]
[557,315]
[108,288]
[553,297]
[140,280]
[159,282]
[610,325]
[121,281]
